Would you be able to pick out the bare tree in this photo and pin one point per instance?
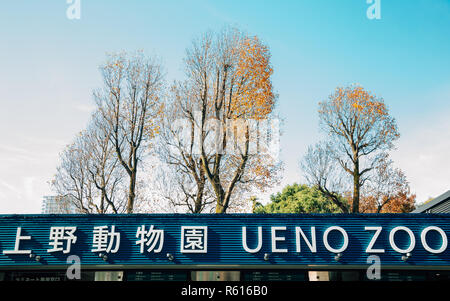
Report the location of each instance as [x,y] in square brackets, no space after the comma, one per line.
[103,165]
[360,131]
[130,105]
[72,179]
[227,87]
[322,171]
[88,172]
[387,190]
[183,181]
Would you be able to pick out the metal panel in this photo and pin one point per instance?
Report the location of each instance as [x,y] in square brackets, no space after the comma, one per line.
[109,276]
[443,207]
[215,275]
[433,203]
[225,240]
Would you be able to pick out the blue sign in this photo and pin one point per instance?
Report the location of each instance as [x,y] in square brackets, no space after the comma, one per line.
[227,239]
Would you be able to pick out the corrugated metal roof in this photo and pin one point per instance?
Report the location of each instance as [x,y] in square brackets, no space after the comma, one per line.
[435,202]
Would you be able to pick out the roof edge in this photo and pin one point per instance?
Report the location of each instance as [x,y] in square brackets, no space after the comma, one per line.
[436,201]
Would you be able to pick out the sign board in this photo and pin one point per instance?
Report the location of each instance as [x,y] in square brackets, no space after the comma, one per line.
[185,240]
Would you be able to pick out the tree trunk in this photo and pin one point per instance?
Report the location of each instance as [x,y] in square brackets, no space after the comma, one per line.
[356,188]
[220,208]
[199,199]
[131,192]
[220,194]
[102,202]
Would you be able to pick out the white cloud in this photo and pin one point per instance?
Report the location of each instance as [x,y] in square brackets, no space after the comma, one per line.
[423,153]
[10,188]
[27,163]
[85,107]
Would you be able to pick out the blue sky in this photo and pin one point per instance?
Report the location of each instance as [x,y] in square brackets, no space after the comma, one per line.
[48,68]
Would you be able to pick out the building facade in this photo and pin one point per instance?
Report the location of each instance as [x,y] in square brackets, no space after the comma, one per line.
[250,247]
[58,205]
[441,204]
